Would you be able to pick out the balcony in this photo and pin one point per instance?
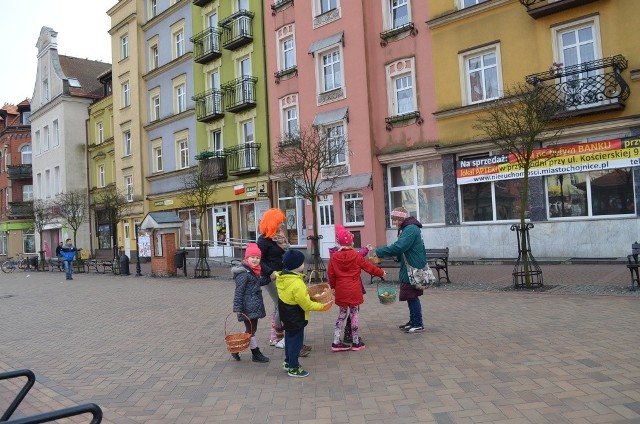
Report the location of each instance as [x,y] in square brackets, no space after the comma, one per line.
[209,106]
[243,159]
[278,5]
[201,3]
[214,168]
[19,210]
[237,30]
[539,8]
[586,88]
[206,46]
[285,74]
[403,120]
[396,32]
[17,172]
[240,94]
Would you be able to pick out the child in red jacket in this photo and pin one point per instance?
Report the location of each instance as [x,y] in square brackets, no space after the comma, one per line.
[344,278]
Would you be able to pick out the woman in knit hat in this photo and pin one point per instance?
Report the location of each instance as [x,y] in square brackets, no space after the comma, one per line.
[409,247]
[247,301]
[344,278]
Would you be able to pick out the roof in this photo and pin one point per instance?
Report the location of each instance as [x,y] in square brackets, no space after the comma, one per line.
[155,220]
[86,72]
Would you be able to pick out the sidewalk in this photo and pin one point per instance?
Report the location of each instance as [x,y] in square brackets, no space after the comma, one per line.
[151,350]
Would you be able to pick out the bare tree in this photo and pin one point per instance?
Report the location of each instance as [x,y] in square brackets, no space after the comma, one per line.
[42,216]
[308,161]
[71,208]
[198,194]
[519,123]
[114,205]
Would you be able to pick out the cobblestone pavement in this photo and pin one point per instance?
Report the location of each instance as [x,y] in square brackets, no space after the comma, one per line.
[151,351]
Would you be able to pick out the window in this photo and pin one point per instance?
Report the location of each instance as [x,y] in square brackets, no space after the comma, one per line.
[178,39]
[126,143]
[39,185]
[47,183]
[126,96]
[469,3]
[155,108]
[288,53]
[190,231]
[154,57]
[482,75]
[418,187]
[128,187]
[216,141]
[336,144]
[400,81]
[293,206]
[495,201]
[242,5]
[3,243]
[290,126]
[153,8]
[399,10]
[29,241]
[327,5]
[248,157]
[27,192]
[181,98]
[45,90]
[25,118]
[45,138]
[38,142]
[56,133]
[353,207]
[157,158]
[101,177]
[99,133]
[331,72]
[57,186]
[124,47]
[183,154]
[25,154]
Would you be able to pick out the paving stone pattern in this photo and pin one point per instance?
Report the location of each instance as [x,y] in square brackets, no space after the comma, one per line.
[152,351]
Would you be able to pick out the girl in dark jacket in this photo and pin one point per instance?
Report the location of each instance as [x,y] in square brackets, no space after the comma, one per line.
[248,298]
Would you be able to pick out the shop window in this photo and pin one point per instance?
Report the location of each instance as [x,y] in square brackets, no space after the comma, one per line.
[418,187]
[293,207]
[29,242]
[190,231]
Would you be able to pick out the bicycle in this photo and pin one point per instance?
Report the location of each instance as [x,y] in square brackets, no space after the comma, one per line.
[11,264]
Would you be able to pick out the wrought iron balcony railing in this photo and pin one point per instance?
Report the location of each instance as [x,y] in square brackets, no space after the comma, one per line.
[243,159]
[209,106]
[237,30]
[21,209]
[539,8]
[17,172]
[240,94]
[586,87]
[286,73]
[206,45]
[214,168]
[385,36]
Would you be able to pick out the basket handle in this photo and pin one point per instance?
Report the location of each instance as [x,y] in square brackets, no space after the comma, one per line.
[231,313]
[317,274]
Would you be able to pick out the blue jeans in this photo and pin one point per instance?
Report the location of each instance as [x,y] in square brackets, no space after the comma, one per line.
[415,312]
[292,346]
[68,269]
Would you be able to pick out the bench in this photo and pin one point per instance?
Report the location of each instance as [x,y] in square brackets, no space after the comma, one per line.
[99,261]
[438,260]
[633,266]
[56,263]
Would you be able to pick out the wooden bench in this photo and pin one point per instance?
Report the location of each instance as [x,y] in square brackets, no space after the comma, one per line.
[438,260]
[99,261]
[56,264]
[633,266]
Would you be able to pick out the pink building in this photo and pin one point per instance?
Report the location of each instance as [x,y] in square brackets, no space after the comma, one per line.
[359,69]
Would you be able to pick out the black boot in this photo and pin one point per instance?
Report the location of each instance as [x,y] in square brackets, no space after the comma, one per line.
[236,356]
[258,356]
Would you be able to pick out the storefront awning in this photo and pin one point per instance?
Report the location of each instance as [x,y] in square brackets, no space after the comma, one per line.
[348,183]
[326,42]
[330,116]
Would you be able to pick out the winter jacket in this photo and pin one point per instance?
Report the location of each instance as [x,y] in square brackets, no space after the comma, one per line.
[410,244]
[294,302]
[248,295]
[68,252]
[344,276]
[272,253]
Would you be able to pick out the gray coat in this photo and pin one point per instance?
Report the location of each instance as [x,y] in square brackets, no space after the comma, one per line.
[248,296]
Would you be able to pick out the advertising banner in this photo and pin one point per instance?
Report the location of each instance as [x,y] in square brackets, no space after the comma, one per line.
[563,159]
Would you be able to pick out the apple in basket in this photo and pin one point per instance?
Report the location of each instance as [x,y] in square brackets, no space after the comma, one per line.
[386,294]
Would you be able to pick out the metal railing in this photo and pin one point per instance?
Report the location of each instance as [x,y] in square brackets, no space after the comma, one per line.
[240,94]
[209,105]
[206,45]
[237,29]
[243,159]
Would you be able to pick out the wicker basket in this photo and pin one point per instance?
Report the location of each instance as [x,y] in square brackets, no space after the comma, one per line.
[386,293]
[320,293]
[236,342]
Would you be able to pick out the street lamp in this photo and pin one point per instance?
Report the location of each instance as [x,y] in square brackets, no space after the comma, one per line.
[138,272]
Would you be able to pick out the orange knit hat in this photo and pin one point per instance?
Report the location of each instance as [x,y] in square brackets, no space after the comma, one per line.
[270,222]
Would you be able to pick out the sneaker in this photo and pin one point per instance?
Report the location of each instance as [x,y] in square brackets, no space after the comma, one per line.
[414,329]
[358,346]
[280,344]
[274,342]
[339,347]
[297,372]
[285,366]
[405,326]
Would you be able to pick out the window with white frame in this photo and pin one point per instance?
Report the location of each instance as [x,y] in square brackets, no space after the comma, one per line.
[293,206]
[398,13]
[401,87]
[491,201]
[47,183]
[126,143]
[157,157]
[330,70]
[99,132]
[287,53]
[27,192]
[126,95]
[153,8]
[336,143]
[39,185]
[102,182]
[353,207]
[45,90]
[178,41]
[190,231]
[45,138]
[25,154]
[38,142]
[3,243]
[469,3]
[57,182]
[155,107]
[242,5]
[418,187]
[215,141]
[124,47]
[324,6]
[128,187]
[181,98]
[154,57]
[55,133]
[183,153]
[290,125]
[29,241]
[482,78]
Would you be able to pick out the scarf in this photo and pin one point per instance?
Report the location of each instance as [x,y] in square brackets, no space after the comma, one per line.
[255,269]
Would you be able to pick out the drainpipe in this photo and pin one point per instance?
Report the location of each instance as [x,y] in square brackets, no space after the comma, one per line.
[88,168]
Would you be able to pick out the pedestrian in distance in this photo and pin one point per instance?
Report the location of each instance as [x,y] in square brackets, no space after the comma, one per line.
[294,305]
[345,279]
[410,247]
[59,250]
[68,252]
[247,301]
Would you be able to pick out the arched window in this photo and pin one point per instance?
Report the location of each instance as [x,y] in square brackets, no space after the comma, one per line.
[25,153]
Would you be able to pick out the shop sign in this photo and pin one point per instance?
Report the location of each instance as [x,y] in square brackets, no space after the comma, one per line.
[238,189]
[262,190]
[562,159]
[251,191]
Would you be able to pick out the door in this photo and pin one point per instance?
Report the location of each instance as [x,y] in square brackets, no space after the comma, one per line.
[578,46]
[218,232]
[326,227]
[127,240]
